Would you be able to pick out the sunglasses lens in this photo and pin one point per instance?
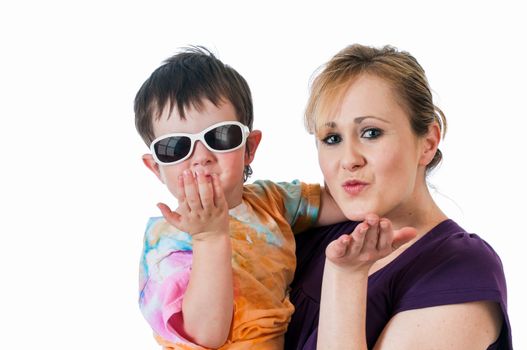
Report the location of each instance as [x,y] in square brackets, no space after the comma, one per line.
[224,137]
[172,149]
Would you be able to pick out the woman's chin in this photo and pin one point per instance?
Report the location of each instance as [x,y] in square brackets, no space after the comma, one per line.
[355,215]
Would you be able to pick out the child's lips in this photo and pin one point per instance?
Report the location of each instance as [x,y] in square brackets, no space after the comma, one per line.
[205,172]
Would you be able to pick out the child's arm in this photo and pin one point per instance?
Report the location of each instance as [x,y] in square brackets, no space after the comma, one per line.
[345,282]
[330,212]
[208,301]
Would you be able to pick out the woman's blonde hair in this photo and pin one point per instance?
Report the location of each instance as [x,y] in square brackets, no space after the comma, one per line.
[399,68]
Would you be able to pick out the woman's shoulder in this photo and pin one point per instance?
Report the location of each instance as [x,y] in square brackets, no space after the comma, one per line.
[448,265]
[449,243]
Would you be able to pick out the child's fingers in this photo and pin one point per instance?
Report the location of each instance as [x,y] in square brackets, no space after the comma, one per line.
[181,197]
[372,234]
[219,196]
[385,235]
[206,193]
[191,191]
[180,189]
[170,216]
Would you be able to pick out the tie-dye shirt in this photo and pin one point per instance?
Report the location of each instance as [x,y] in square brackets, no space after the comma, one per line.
[263,263]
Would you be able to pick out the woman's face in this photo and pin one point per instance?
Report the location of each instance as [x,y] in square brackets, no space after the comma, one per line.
[370,157]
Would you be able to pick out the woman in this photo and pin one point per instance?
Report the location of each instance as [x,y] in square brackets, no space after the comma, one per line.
[377,133]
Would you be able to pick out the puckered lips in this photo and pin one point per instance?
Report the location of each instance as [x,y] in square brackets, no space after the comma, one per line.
[203,170]
[354,187]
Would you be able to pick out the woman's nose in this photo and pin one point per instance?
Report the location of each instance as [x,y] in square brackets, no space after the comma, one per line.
[352,159]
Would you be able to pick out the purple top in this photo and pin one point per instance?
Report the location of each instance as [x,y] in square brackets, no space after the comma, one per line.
[446,266]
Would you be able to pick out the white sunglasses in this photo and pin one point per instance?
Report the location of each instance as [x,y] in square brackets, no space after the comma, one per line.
[220,138]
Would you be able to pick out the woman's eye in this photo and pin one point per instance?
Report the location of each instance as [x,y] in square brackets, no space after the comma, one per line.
[372,133]
[331,139]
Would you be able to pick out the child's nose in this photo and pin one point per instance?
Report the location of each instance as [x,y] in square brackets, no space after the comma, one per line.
[201,155]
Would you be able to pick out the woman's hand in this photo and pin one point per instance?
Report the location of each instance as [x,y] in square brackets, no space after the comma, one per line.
[344,286]
[372,239]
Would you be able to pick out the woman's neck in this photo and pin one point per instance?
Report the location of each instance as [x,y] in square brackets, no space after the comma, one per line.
[420,212]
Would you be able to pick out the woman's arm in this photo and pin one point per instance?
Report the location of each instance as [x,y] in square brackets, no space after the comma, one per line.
[465,326]
[473,325]
[342,321]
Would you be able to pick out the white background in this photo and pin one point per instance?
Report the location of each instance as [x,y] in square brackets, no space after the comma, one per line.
[75,196]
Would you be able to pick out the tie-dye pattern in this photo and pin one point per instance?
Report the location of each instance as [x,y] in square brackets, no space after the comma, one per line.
[263,262]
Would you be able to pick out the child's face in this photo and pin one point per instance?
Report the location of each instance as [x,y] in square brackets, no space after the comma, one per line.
[229,165]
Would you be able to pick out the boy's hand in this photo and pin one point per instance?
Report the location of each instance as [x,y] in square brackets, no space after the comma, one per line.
[203,211]
[372,239]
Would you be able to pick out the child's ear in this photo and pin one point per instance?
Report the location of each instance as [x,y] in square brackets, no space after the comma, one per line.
[430,144]
[253,140]
[151,164]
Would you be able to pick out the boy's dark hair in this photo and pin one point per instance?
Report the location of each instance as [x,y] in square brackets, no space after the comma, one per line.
[185,80]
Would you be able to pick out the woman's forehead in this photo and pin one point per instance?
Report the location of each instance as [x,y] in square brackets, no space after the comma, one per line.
[360,99]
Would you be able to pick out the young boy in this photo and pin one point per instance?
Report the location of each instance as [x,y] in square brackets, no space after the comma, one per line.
[215,272]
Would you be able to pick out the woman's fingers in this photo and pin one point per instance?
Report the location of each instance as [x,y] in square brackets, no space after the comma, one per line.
[385,235]
[338,248]
[402,236]
[372,234]
[358,235]
[371,240]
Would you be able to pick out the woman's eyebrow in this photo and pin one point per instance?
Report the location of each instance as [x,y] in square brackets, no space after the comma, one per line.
[330,125]
[359,120]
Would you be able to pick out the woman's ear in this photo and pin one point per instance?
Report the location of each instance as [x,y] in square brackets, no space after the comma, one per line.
[151,164]
[430,144]
[251,145]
